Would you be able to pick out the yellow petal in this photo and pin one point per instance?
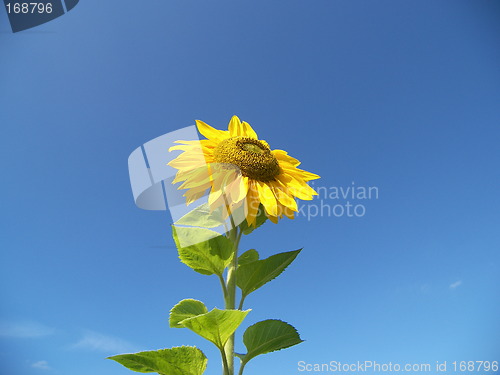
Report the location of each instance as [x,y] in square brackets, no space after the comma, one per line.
[283,156]
[196,142]
[242,129]
[283,195]
[253,203]
[210,132]
[198,189]
[299,189]
[267,198]
[239,189]
[217,178]
[299,173]
[180,148]
[209,144]
[183,163]
[304,192]
[196,180]
[223,178]
[223,184]
[308,175]
[184,174]
[248,131]
[235,128]
[288,213]
[214,196]
[198,156]
[192,196]
[274,219]
[187,142]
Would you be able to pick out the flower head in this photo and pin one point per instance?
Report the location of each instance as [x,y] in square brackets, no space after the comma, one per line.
[241,171]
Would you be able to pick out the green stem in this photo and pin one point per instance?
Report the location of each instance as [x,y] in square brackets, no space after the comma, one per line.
[224,363]
[226,229]
[241,368]
[240,307]
[230,300]
[223,286]
[234,234]
[230,295]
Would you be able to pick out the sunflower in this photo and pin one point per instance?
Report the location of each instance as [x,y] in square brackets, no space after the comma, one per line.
[241,170]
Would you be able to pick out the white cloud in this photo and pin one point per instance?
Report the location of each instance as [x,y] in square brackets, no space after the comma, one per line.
[42,365]
[24,330]
[456,284]
[97,341]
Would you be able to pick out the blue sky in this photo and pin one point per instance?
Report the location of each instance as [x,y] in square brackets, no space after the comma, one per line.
[400,95]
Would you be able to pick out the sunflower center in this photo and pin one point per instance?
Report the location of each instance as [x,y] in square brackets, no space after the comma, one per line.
[253,158]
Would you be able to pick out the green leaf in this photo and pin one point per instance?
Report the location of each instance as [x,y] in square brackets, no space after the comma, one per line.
[248,256]
[217,325]
[183,360]
[204,250]
[268,336]
[252,276]
[187,308]
[201,216]
[260,219]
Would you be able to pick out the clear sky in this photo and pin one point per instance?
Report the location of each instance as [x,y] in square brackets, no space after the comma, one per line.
[398,95]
